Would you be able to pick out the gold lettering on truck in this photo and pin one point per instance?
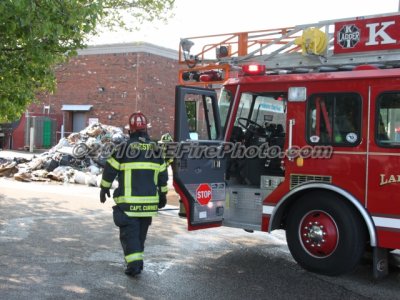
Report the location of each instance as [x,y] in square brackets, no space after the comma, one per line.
[388,179]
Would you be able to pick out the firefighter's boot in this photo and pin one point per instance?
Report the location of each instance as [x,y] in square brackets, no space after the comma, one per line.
[133,270]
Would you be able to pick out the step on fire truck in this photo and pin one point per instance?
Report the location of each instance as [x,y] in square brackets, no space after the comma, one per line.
[304,136]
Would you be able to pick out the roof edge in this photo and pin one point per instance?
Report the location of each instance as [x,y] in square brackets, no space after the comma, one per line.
[135,47]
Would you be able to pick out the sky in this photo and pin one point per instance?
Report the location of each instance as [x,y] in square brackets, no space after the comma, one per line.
[207,17]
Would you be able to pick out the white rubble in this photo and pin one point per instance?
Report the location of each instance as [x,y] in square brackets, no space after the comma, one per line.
[61,163]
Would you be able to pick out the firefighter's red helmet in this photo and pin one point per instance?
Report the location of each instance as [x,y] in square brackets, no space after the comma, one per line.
[137,121]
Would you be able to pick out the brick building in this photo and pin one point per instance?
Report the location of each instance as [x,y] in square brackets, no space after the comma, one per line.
[106,84]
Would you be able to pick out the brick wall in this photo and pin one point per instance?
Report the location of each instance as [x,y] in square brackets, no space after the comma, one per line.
[118,80]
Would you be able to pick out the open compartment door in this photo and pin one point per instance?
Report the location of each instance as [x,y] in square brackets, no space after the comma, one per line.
[199,165]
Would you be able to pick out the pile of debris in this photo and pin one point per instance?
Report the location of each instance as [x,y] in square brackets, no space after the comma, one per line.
[79,158]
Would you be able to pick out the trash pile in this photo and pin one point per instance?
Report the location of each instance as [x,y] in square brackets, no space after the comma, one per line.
[79,158]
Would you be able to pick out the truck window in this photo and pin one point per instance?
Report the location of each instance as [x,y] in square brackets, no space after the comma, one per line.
[244,106]
[269,108]
[334,119]
[387,127]
[201,118]
[263,108]
[224,104]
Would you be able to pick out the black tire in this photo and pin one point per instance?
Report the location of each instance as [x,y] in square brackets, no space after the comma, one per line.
[333,248]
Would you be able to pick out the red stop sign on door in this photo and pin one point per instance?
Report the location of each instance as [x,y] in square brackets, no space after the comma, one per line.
[203,193]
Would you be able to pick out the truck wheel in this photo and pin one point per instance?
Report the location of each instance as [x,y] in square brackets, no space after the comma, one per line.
[325,235]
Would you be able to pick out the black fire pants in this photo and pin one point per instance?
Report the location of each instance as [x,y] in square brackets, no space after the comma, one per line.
[132,234]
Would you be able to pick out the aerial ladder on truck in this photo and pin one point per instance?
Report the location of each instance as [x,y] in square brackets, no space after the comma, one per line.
[324,46]
[332,84]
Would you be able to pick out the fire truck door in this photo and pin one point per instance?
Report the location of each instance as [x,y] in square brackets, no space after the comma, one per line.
[384,159]
[199,166]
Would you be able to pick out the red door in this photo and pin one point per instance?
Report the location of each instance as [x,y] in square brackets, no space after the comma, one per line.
[383,192]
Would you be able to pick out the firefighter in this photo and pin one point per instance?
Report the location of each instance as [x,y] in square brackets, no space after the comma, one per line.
[163,142]
[142,189]
[165,139]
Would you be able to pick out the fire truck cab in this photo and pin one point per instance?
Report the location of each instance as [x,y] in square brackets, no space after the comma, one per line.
[308,143]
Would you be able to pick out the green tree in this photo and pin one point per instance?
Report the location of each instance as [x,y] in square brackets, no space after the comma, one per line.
[37,35]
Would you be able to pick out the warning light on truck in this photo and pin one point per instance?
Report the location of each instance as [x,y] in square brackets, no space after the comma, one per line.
[253,69]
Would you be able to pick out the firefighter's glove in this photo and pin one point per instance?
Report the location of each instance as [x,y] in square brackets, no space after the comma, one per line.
[103,193]
[162,200]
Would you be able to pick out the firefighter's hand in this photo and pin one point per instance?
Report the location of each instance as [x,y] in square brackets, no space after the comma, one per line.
[103,193]
[162,200]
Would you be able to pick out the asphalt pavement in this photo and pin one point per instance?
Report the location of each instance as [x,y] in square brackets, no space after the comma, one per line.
[57,241]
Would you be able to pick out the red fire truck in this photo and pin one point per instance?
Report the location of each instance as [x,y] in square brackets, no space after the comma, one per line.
[303,136]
